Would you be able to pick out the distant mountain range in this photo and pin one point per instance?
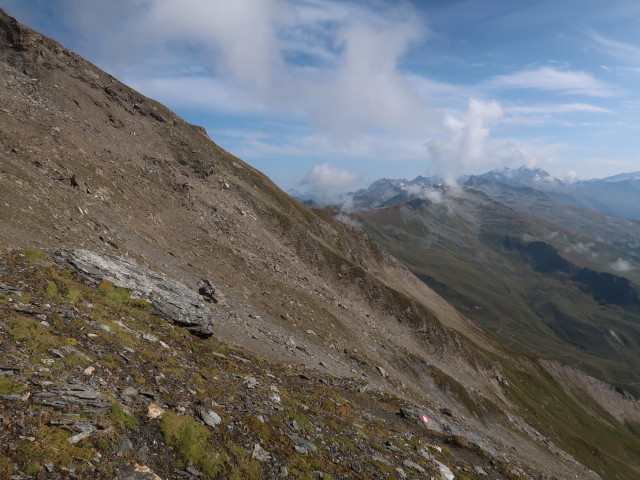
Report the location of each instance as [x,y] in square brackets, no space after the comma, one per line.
[617,195]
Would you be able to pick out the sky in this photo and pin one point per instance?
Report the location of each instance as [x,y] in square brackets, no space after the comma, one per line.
[330,95]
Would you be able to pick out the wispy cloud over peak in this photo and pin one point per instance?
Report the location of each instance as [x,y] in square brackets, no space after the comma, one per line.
[328,181]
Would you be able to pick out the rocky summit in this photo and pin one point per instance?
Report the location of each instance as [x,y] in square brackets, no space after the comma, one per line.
[167,312]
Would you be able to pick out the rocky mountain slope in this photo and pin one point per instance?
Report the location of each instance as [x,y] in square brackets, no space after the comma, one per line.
[302,338]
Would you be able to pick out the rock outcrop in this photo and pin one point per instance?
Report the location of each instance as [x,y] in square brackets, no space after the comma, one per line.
[173,300]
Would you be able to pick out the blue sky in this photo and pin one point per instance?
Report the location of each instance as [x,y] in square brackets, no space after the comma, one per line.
[331,95]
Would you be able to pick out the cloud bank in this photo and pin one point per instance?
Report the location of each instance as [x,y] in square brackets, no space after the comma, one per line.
[350,74]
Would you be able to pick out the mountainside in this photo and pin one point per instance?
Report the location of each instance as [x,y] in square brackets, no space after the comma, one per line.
[621,233]
[135,230]
[531,283]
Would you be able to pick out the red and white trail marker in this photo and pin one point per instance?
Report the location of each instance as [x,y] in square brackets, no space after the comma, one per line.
[424,419]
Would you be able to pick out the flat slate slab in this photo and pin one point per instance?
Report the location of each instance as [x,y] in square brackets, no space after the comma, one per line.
[171,299]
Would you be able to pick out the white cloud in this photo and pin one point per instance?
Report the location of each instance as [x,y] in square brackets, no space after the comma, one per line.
[547,78]
[620,50]
[201,92]
[331,64]
[554,109]
[580,247]
[426,193]
[327,181]
[466,146]
[570,176]
[621,265]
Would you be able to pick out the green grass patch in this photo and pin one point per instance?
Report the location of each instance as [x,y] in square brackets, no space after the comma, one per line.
[302,420]
[9,386]
[74,294]
[52,289]
[33,253]
[118,416]
[244,467]
[35,336]
[50,445]
[192,441]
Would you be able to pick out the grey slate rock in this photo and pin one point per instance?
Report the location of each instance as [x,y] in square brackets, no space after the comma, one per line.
[171,299]
[301,445]
[413,465]
[73,396]
[209,417]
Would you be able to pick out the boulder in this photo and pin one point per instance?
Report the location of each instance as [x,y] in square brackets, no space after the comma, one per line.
[171,299]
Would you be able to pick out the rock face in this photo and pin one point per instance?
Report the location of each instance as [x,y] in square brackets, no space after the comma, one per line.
[171,299]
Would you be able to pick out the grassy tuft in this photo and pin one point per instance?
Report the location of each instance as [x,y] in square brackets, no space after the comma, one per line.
[35,336]
[8,386]
[6,468]
[33,253]
[52,289]
[50,445]
[192,441]
[121,418]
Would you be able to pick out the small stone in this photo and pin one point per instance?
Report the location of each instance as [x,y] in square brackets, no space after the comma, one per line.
[129,392]
[401,472]
[383,372]
[210,417]
[413,465]
[80,436]
[147,473]
[260,454]
[274,397]
[250,382]
[356,467]
[155,411]
[89,370]
[194,471]
[240,359]
[48,467]
[283,472]
[301,445]
[125,447]
[479,470]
